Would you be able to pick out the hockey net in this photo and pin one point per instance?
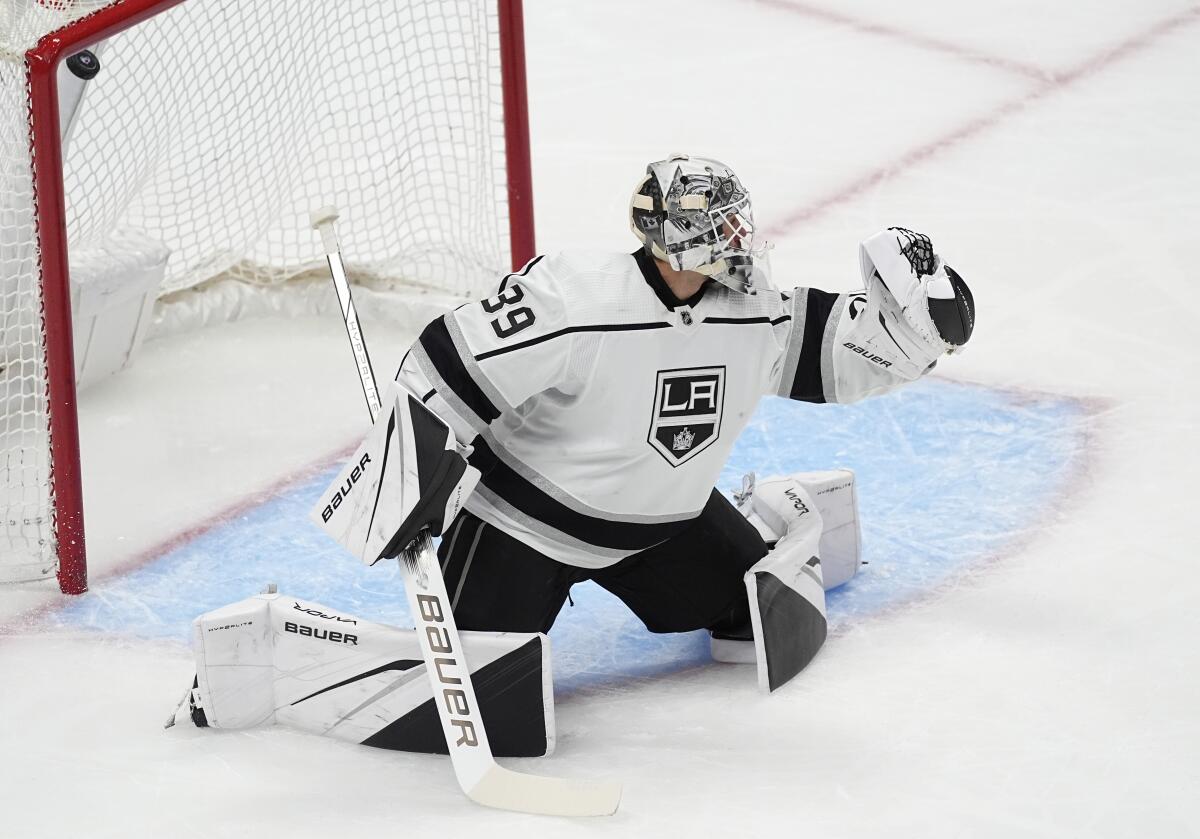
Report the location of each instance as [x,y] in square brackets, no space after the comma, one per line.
[210,132]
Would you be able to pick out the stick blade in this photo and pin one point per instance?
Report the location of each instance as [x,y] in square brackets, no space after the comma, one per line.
[507,790]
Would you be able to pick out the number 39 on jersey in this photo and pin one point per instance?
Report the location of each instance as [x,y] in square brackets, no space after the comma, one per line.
[511,318]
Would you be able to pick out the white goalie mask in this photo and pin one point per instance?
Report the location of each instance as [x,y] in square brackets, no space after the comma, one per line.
[694,214]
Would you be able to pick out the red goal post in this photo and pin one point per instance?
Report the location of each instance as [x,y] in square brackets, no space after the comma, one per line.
[48,372]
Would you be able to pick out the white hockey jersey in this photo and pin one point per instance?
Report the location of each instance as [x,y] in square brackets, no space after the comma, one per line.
[601,410]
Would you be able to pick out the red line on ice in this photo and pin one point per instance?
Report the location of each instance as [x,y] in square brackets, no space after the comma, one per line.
[973,127]
[227,514]
[23,620]
[912,39]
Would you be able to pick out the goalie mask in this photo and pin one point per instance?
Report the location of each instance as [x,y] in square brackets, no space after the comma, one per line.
[694,214]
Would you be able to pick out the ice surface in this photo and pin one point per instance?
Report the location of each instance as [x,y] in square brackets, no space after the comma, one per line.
[1019,657]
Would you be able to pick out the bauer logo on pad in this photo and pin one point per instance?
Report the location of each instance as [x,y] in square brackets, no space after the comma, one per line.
[687,412]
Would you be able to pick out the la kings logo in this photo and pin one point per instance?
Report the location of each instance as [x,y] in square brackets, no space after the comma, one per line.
[687,412]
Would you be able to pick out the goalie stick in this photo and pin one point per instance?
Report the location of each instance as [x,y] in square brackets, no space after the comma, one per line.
[481,778]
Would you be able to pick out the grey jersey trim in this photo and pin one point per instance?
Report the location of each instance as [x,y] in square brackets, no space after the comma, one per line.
[472,366]
[465,414]
[828,377]
[795,343]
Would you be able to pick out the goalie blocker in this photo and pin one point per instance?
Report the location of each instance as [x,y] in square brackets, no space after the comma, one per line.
[407,474]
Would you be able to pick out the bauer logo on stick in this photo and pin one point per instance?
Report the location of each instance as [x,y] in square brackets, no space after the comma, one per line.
[687,412]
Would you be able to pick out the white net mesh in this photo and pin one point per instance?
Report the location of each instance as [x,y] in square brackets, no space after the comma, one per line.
[247,116]
[25,550]
[215,128]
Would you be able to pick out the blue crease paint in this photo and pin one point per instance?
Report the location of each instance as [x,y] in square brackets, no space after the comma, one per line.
[948,475]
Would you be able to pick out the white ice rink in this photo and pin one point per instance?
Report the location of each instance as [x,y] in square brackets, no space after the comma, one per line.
[1048,688]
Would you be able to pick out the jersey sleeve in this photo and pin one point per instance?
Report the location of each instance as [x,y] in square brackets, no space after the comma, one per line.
[485,358]
[821,360]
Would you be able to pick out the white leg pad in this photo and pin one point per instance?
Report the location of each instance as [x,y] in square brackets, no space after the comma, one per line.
[841,536]
[235,663]
[772,505]
[276,659]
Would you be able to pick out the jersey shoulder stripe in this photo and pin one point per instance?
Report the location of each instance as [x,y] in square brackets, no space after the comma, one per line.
[523,272]
[436,345]
[598,327]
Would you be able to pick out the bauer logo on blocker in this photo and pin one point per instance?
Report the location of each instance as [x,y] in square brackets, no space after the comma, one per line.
[687,412]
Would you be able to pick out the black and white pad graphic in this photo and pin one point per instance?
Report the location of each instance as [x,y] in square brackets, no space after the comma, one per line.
[276,659]
[687,412]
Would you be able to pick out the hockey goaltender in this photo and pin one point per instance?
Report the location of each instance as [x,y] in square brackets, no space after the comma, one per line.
[579,419]
[600,395]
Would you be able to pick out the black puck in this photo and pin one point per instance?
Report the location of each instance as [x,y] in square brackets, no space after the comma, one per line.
[84,65]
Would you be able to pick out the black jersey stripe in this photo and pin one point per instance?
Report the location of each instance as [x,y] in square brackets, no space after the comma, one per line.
[438,345]
[807,386]
[599,327]
[521,273]
[759,319]
[522,494]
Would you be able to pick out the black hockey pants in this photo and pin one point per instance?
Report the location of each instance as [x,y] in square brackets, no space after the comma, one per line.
[691,581]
